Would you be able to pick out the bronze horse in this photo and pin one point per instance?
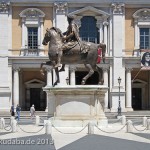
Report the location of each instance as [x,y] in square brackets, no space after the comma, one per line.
[53,36]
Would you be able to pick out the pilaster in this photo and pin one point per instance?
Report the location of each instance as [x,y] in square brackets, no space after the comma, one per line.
[118,37]
[117,53]
[105,24]
[99,25]
[136,34]
[60,11]
[4,45]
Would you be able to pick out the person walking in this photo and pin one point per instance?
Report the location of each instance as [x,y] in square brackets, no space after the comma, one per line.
[12,110]
[18,109]
[32,111]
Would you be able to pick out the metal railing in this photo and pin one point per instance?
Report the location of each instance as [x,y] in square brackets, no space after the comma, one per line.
[30,52]
[89,39]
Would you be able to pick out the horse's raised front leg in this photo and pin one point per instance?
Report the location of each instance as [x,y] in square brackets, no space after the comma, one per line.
[44,63]
[41,67]
[57,75]
[90,73]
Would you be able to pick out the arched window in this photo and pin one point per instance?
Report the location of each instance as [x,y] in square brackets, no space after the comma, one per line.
[88,30]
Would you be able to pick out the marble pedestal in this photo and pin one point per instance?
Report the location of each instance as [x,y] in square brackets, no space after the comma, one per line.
[76,105]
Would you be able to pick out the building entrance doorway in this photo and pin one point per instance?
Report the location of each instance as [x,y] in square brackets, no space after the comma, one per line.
[34,94]
[137,98]
[35,97]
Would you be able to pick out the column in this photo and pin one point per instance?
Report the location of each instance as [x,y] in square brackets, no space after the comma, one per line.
[49,76]
[105,73]
[105,23]
[110,36]
[100,27]
[49,83]
[23,33]
[63,76]
[41,45]
[10,83]
[128,90]
[72,75]
[136,36]
[16,86]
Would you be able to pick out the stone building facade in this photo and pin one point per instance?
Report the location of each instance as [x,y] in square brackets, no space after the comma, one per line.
[124,26]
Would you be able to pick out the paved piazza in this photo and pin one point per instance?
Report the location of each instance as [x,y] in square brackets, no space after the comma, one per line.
[114,136]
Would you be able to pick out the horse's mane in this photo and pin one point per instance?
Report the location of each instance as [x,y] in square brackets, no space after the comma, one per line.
[57,30]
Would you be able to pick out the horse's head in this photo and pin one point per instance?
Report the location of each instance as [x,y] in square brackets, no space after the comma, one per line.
[46,37]
[53,34]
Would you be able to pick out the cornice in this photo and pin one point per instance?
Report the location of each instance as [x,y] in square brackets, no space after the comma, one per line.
[80,3]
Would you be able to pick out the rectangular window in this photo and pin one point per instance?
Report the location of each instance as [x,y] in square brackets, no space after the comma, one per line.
[88,31]
[32,38]
[144,38]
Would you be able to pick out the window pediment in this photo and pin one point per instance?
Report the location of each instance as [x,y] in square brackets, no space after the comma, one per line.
[91,11]
[34,81]
[142,14]
[32,17]
[32,13]
[136,81]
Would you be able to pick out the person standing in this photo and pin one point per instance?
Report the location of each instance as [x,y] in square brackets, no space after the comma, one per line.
[32,111]
[12,110]
[18,109]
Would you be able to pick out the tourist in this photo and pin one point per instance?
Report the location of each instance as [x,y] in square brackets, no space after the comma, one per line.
[18,109]
[32,111]
[12,110]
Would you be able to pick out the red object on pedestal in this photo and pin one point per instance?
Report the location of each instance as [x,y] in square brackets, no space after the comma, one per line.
[99,52]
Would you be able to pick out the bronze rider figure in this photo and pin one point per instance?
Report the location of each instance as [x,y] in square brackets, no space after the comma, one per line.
[70,38]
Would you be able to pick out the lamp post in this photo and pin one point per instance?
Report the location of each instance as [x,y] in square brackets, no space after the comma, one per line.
[119,105]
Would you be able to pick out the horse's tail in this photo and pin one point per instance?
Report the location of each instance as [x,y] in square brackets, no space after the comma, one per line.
[103,47]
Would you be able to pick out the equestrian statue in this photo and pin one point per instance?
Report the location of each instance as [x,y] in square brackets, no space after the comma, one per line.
[67,48]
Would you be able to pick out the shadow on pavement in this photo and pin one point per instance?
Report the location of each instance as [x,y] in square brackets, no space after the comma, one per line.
[4,133]
[144,135]
[99,142]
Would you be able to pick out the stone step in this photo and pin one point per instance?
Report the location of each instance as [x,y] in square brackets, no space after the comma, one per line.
[24,114]
[109,115]
[129,115]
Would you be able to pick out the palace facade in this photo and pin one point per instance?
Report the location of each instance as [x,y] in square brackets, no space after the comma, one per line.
[124,26]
